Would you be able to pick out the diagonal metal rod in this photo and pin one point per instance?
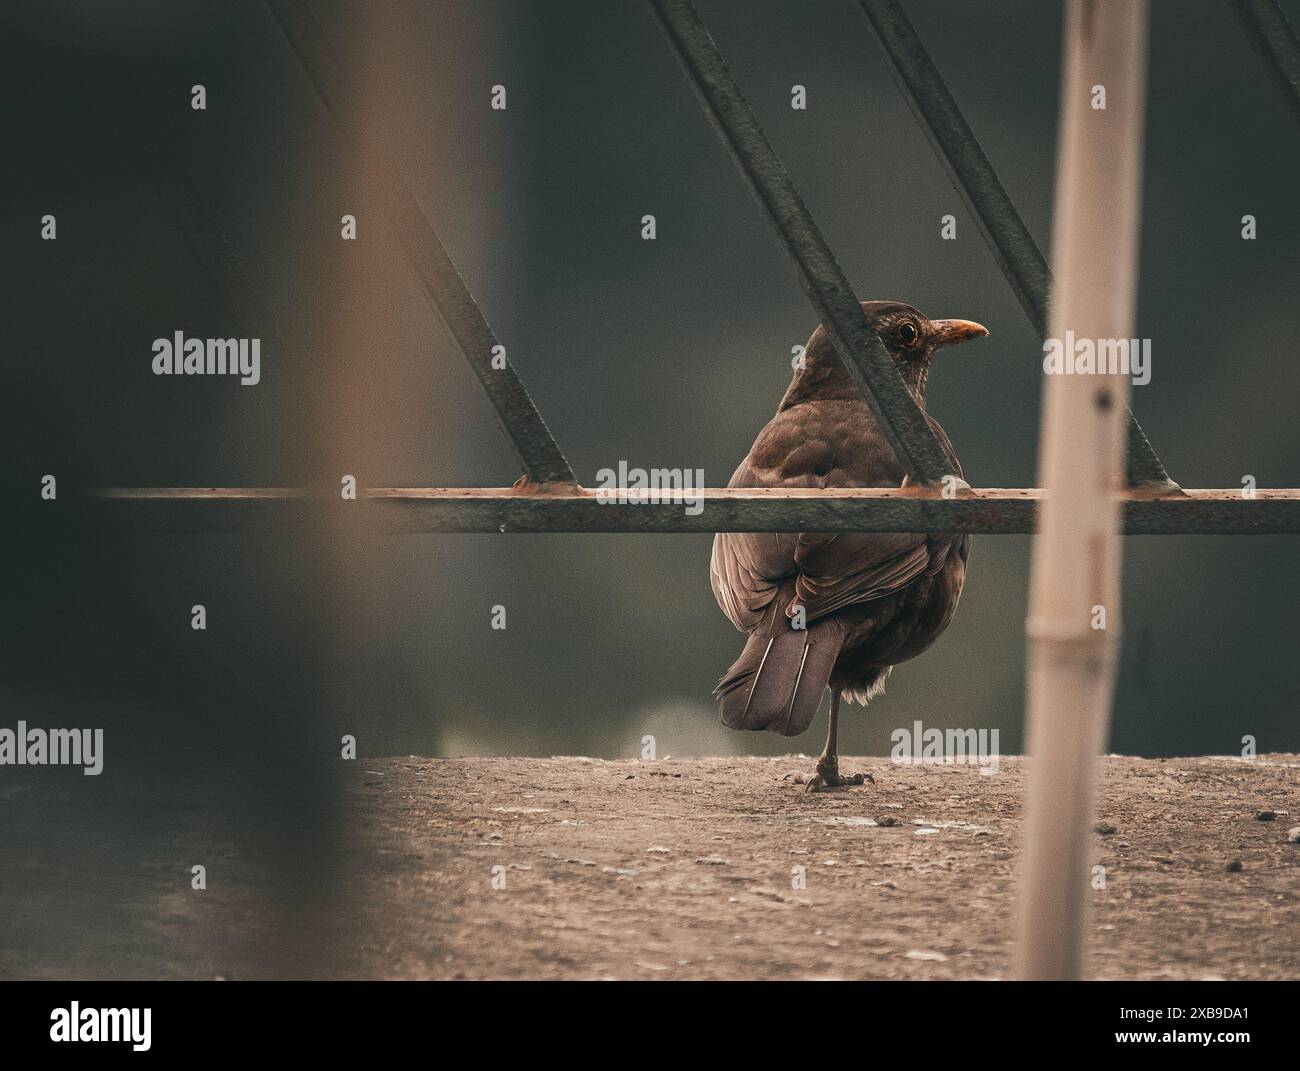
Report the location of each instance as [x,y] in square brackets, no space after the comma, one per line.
[1271,36]
[960,153]
[442,283]
[832,298]
[975,180]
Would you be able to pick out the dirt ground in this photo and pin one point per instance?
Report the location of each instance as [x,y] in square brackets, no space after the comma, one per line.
[687,869]
[694,868]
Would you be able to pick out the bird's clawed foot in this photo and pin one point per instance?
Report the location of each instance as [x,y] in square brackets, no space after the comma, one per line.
[828,776]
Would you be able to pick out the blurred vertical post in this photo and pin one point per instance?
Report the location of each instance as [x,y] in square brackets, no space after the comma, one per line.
[1074,589]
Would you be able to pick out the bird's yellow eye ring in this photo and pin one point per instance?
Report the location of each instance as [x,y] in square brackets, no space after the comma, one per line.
[908,333]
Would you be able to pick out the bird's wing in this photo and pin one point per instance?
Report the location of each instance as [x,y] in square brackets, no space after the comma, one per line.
[838,570]
[817,448]
[748,568]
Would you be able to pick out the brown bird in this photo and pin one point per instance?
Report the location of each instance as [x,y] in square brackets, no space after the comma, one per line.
[838,610]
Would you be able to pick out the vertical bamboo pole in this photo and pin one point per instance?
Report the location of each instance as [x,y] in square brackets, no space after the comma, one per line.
[1074,584]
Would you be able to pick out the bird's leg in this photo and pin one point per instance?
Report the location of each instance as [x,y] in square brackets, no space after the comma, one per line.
[828,766]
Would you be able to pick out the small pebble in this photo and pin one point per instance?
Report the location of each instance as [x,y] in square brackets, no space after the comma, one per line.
[1293,834]
[1265,816]
[1234,867]
[1104,828]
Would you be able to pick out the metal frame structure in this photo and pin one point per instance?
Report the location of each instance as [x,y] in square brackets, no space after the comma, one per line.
[548,499]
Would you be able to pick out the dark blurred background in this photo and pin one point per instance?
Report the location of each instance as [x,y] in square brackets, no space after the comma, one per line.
[666,353]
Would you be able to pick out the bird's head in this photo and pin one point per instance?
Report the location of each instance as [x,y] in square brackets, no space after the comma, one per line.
[909,338]
[912,340]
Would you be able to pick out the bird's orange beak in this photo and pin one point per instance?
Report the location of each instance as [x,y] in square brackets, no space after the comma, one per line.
[950,332]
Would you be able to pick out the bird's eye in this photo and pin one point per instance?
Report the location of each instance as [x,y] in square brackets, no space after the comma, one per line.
[908,333]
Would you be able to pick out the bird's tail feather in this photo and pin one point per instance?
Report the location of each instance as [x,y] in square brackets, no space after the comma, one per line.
[776,684]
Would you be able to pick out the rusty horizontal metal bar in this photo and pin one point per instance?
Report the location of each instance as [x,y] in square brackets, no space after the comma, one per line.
[994,511]
[975,180]
[1272,37]
[819,272]
[538,451]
